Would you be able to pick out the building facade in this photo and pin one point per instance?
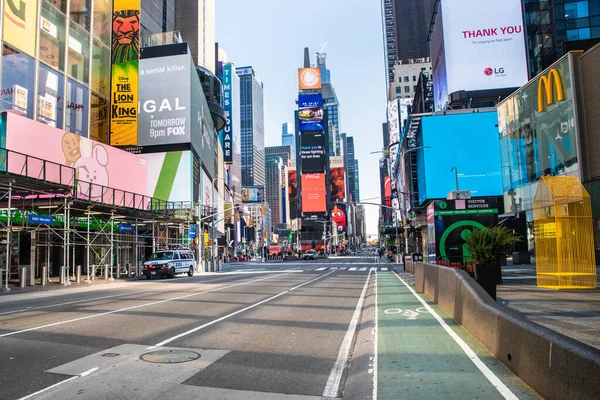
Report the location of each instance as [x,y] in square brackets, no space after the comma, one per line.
[195,19]
[156,16]
[285,152]
[352,168]
[552,23]
[252,127]
[276,190]
[288,137]
[406,77]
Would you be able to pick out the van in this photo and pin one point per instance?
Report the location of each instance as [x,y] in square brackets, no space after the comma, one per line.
[170,263]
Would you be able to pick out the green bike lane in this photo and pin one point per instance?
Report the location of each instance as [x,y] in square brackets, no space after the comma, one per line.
[418,358]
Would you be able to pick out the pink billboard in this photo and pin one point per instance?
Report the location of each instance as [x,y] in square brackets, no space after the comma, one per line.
[104,174]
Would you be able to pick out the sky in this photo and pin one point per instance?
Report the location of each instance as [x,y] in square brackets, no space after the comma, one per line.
[270,35]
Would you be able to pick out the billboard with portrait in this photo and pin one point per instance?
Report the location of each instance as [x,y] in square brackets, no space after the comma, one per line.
[336,178]
[20,25]
[312,152]
[164,115]
[99,168]
[292,178]
[338,215]
[253,194]
[481,50]
[314,193]
[125,54]
[309,78]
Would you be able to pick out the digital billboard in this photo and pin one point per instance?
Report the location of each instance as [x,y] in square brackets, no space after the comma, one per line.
[20,25]
[336,177]
[338,215]
[309,78]
[393,119]
[472,147]
[228,107]
[311,119]
[125,53]
[314,193]
[481,49]
[253,194]
[207,191]
[292,178]
[171,176]
[164,94]
[312,152]
[310,100]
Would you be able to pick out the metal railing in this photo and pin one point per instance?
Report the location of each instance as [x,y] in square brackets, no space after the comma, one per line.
[13,162]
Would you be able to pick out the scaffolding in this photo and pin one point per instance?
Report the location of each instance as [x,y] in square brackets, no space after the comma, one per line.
[564,235]
[51,228]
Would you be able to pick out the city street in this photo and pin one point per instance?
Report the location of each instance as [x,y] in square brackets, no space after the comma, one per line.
[307,329]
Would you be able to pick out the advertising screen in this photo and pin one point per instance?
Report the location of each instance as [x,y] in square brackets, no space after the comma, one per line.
[338,215]
[468,142]
[228,107]
[207,191]
[336,178]
[312,152]
[393,118]
[164,101]
[19,24]
[292,177]
[99,168]
[314,193]
[253,194]
[125,51]
[483,48]
[309,78]
[310,100]
[171,175]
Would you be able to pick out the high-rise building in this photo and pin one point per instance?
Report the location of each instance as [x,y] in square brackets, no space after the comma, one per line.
[288,137]
[276,190]
[352,165]
[332,107]
[552,23]
[356,193]
[155,16]
[322,64]
[406,77]
[285,152]
[252,127]
[195,19]
[406,26]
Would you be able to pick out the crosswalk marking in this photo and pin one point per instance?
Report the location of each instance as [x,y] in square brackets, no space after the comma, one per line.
[321,269]
[373,269]
[383,269]
[362,269]
[352,269]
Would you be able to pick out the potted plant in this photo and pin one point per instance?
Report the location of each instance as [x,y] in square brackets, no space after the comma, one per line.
[488,249]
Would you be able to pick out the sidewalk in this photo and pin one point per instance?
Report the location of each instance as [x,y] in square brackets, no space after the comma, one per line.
[54,285]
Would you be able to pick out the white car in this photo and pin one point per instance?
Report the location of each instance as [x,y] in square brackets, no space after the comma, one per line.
[170,263]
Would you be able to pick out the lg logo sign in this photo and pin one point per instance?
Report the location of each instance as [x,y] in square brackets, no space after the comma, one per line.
[494,71]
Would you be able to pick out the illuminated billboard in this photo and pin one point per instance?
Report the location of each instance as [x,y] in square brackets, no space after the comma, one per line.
[336,178]
[20,25]
[171,176]
[338,215]
[309,78]
[312,152]
[228,107]
[125,51]
[253,194]
[292,178]
[481,49]
[310,100]
[314,193]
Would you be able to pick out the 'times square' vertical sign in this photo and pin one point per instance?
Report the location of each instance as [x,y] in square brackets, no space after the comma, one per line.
[124,86]
[227,106]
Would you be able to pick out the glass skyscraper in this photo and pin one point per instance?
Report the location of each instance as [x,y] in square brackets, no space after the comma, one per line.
[550,23]
[252,123]
[352,173]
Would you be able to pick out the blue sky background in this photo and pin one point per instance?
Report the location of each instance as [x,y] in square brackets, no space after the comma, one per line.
[270,35]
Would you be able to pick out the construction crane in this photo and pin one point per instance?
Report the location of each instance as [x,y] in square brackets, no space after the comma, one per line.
[320,51]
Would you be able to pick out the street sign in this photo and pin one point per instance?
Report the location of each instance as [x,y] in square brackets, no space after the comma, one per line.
[192,233]
[40,219]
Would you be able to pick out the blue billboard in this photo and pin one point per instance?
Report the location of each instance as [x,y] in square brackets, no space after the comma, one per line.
[469,142]
[227,133]
[310,100]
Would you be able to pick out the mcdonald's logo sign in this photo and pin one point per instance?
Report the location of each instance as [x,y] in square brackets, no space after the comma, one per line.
[546,87]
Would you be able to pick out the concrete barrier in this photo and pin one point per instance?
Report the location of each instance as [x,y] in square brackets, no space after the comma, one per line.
[554,365]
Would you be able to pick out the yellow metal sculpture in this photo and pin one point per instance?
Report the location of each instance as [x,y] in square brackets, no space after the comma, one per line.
[564,234]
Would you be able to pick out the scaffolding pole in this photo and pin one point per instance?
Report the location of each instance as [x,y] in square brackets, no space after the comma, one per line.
[112,245]
[88,247]
[8,238]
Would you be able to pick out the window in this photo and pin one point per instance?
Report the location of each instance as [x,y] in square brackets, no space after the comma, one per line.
[80,12]
[99,119]
[414,78]
[102,21]
[406,89]
[406,79]
[60,4]
[79,54]
[78,99]
[577,9]
[100,68]
[52,37]
[18,77]
[51,95]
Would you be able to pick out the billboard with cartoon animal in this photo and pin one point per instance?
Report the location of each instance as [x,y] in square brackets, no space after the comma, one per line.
[104,174]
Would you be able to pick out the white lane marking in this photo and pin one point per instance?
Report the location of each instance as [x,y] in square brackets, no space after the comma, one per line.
[160,344]
[376,341]
[135,307]
[373,269]
[335,377]
[384,269]
[86,373]
[352,269]
[362,269]
[494,380]
[321,269]
[393,311]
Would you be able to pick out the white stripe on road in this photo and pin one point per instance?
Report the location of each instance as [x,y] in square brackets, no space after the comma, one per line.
[383,269]
[373,269]
[375,342]
[352,269]
[135,307]
[86,373]
[362,269]
[333,383]
[321,269]
[494,380]
[167,341]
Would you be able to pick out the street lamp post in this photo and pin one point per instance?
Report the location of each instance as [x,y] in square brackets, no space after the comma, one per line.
[455,169]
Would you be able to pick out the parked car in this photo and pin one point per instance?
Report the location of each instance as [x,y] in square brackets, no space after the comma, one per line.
[169,263]
[310,255]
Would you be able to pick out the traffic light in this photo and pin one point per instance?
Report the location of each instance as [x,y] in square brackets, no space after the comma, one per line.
[263,210]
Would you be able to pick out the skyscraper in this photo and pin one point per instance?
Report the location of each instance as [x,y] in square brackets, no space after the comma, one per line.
[276,190]
[352,173]
[285,152]
[405,29]
[157,16]
[195,19]
[288,137]
[552,23]
[252,127]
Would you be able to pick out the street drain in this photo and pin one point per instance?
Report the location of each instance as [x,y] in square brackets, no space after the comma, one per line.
[170,356]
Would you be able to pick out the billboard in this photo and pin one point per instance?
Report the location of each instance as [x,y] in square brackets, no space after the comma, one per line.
[228,107]
[98,167]
[20,25]
[253,194]
[164,94]
[394,123]
[310,100]
[207,191]
[309,78]
[125,53]
[473,148]
[292,177]
[314,193]
[338,215]
[479,50]
[336,178]
[312,152]
[171,175]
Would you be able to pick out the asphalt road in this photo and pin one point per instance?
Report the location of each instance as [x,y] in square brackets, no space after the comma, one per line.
[297,330]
